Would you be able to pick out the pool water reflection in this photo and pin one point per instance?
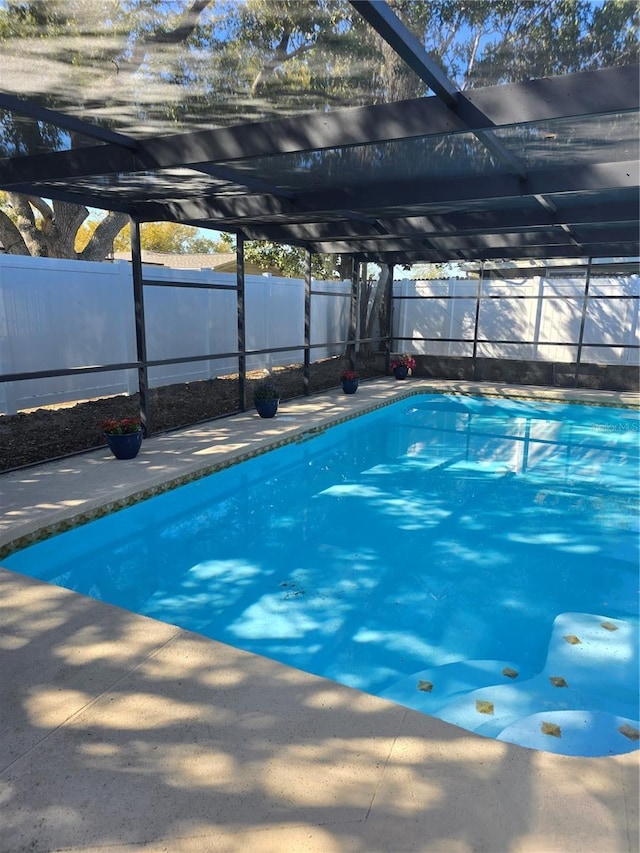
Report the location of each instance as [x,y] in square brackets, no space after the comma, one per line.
[442,534]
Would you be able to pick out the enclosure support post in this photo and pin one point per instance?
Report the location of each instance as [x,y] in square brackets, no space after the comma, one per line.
[307,320]
[583,319]
[141,335]
[388,331]
[242,346]
[476,322]
[353,312]
[363,283]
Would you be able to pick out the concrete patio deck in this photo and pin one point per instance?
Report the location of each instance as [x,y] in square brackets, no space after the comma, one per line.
[121,733]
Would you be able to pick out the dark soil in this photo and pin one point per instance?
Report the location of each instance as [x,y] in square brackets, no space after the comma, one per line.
[43,434]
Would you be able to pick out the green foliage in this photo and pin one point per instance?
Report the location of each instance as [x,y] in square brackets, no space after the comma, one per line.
[84,234]
[488,42]
[266,390]
[429,272]
[225,243]
[169,238]
[559,38]
[290,260]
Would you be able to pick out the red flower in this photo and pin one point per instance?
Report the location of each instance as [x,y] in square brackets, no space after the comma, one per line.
[120,426]
[403,360]
[349,375]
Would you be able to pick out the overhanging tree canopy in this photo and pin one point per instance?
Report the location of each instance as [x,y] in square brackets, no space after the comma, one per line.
[281,121]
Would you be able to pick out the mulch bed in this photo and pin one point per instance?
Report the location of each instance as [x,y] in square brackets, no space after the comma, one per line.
[48,433]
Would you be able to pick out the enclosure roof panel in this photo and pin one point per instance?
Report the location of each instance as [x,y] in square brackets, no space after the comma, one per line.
[186,66]
[273,120]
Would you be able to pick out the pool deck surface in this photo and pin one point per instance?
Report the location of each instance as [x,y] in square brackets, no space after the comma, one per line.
[121,733]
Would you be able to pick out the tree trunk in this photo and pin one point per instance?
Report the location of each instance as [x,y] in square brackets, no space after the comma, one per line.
[372,310]
[101,244]
[53,236]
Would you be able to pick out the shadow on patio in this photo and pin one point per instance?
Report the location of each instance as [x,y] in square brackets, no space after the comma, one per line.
[120,732]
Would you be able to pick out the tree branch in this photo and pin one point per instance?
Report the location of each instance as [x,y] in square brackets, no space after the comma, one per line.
[180,33]
[26,225]
[472,59]
[41,206]
[101,243]
[10,238]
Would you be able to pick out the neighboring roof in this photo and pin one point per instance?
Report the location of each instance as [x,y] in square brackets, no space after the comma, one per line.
[218,261]
[537,169]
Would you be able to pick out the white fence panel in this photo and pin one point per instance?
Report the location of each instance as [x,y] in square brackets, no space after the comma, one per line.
[608,317]
[57,314]
[186,321]
[274,316]
[436,315]
[506,313]
[329,317]
[544,325]
[560,311]
[63,314]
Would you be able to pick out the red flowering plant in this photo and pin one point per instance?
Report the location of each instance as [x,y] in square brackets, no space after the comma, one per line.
[348,375]
[120,426]
[404,360]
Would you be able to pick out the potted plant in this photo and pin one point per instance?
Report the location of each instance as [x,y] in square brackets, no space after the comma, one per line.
[402,364]
[123,435]
[266,397]
[349,380]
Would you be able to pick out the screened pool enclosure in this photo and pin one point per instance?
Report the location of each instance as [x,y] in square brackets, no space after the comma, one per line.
[353,130]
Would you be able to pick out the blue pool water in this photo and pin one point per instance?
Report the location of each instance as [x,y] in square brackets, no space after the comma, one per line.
[471,558]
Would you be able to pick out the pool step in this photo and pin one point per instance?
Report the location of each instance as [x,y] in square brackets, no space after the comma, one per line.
[595,653]
[584,702]
[555,716]
[584,733]
[432,689]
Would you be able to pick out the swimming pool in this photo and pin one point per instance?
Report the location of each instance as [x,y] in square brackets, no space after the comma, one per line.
[420,552]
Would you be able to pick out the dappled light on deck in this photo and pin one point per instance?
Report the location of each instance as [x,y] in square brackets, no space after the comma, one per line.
[186,739]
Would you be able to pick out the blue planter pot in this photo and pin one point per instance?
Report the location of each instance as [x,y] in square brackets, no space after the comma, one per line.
[266,408]
[125,446]
[350,386]
[401,371]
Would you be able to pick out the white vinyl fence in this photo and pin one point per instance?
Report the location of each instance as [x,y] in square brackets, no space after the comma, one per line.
[536,319]
[57,314]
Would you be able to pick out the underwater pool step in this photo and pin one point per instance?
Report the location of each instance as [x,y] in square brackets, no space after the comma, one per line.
[596,654]
[592,663]
[492,710]
[584,733]
[585,701]
[431,689]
